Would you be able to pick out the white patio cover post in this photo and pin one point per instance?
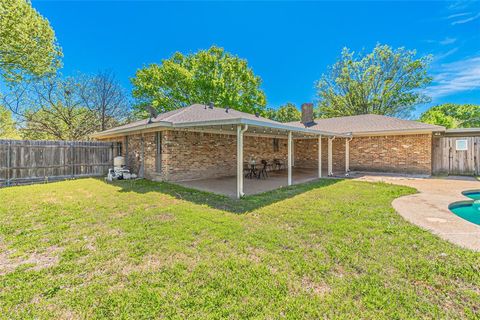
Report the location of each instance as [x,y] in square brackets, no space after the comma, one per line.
[290,158]
[319,156]
[330,166]
[293,153]
[240,132]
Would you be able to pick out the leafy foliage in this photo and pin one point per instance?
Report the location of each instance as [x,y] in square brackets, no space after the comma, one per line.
[7,125]
[212,75]
[385,81]
[286,113]
[452,115]
[28,45]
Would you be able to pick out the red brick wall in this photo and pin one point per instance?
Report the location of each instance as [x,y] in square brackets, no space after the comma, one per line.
[404,154]
[132,151]
[196,155]
[306,153]
[191,155]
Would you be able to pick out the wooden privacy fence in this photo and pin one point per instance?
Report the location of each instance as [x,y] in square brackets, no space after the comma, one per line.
[456,158]
[27,161]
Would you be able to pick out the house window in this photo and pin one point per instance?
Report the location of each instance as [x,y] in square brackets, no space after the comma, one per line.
[158,155]
[118,147]
[275,145]
[461,145]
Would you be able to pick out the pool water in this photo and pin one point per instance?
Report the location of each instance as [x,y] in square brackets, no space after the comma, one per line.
[469,211]
[472,194]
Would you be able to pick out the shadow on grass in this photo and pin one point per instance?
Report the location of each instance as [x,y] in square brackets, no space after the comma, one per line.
[221,202]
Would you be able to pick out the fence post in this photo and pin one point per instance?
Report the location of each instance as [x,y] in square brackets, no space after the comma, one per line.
[476,169]
[73,159]
[8,163]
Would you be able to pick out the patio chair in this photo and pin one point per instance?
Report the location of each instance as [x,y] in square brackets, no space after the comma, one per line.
[263,171]
[277,164]
[269,166]
[246,170]
[249,170]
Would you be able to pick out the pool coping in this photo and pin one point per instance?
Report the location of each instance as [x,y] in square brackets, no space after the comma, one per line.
[469,192]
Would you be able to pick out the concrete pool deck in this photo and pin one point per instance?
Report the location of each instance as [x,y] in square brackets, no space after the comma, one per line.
[428,208]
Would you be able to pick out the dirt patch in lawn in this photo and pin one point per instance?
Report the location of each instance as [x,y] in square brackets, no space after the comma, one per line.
[37,260]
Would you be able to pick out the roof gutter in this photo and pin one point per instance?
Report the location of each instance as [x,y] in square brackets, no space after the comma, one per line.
[115,132]
[258,123]
[396,132]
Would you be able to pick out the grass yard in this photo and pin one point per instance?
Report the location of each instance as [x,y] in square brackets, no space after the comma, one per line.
[140,250]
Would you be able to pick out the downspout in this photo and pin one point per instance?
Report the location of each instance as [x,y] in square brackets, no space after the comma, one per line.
[330,156]
[319,156]
[142,158]
[347,156]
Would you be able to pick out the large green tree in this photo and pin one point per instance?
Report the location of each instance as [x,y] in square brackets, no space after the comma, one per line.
[212,75]
[385,81]
[8,129]
[286,113]
[452,115]
[27,42]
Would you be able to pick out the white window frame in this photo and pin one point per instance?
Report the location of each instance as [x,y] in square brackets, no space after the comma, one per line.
[459,145]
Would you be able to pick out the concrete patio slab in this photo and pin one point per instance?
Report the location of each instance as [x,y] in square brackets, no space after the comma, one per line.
[428,209]
[276,179]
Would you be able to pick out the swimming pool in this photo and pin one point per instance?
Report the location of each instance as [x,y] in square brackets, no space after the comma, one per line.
[472,194]
[468,210]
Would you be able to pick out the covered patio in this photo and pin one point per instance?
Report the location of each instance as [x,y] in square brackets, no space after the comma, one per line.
[290,141]
[275,180]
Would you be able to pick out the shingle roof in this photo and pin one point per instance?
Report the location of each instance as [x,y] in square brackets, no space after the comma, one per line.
[369,123]
[198,115]
[200,112]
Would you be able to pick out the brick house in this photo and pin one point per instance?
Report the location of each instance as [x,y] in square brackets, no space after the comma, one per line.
[203,141]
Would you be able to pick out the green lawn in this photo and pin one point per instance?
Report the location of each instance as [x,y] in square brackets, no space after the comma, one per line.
[138,250]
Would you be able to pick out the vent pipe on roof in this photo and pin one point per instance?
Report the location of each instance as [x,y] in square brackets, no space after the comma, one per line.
[211,105]
[257,114]
[226,109]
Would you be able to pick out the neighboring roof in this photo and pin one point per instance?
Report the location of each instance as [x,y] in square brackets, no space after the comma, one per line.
[370,124]
[198,115]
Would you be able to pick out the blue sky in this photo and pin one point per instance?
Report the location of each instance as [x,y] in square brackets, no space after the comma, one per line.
[288,44]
